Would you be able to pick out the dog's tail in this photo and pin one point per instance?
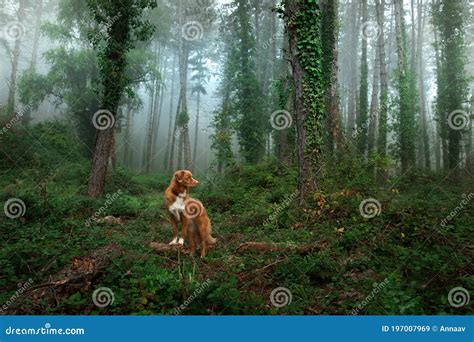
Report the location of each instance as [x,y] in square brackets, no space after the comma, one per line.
[211,240]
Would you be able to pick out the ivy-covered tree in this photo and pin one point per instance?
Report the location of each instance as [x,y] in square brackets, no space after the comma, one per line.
[405,127]
[73,73]
[200,76]
[303,24]
[383,110]
[452,93]
[248,104]
[329,33]
[125,26]
[363,89]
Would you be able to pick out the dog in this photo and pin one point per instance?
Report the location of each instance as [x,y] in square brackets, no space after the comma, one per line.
[184,209]
[175,196]
[200,229]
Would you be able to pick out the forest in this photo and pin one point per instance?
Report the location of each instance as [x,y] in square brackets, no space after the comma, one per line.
[332,141]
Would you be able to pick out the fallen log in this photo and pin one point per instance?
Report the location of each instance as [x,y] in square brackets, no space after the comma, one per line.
[161,247]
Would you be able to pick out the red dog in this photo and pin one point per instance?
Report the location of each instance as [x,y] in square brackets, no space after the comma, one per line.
[175,196]
[182,208]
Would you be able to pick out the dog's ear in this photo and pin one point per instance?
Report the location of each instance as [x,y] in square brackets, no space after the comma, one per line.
[178,175]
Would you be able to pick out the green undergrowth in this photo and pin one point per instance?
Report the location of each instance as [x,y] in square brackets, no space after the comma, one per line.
[332,261]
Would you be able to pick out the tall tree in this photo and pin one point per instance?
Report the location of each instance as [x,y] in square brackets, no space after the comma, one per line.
[303,24]
[329,33]
[354,38]
[250,115]
[374,102]
[125,27]
[152,111]
[452,91]
[421,85]
[166,159]
[200,77]
[16,33]
[363,89]
[382,122]
[405,128]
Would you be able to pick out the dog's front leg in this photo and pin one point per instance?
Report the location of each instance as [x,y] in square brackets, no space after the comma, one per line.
[184,229]
[174,223]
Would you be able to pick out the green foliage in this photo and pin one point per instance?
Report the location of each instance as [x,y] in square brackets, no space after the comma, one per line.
[353,253]
[124,27]
[309,43]
[247,101]
[452,81]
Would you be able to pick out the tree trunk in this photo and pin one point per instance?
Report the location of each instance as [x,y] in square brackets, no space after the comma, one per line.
[363,90]
[405,90]
[330,29]
[382,123]
[469,154]
[352,109]
[374,102]
[154,96]
[36,38]
[166,159]
[100,160]
[159,110]
[184,147]
[441,148]
[34,55]
[413,41]
[307,109]
[424,121]
[196,127]
[15,61]
[126,153]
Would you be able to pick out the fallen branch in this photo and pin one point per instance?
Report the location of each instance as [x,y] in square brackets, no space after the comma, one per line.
[161,247]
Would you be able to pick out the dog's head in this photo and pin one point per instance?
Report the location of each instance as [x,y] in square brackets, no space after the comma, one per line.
[185,178]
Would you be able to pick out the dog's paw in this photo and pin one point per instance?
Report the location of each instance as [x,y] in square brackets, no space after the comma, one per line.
[181,241]
[174,241]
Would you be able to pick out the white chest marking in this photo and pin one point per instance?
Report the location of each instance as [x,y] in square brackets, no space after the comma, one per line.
[178,206]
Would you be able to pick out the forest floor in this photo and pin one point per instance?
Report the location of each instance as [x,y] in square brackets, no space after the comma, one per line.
[53,258]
